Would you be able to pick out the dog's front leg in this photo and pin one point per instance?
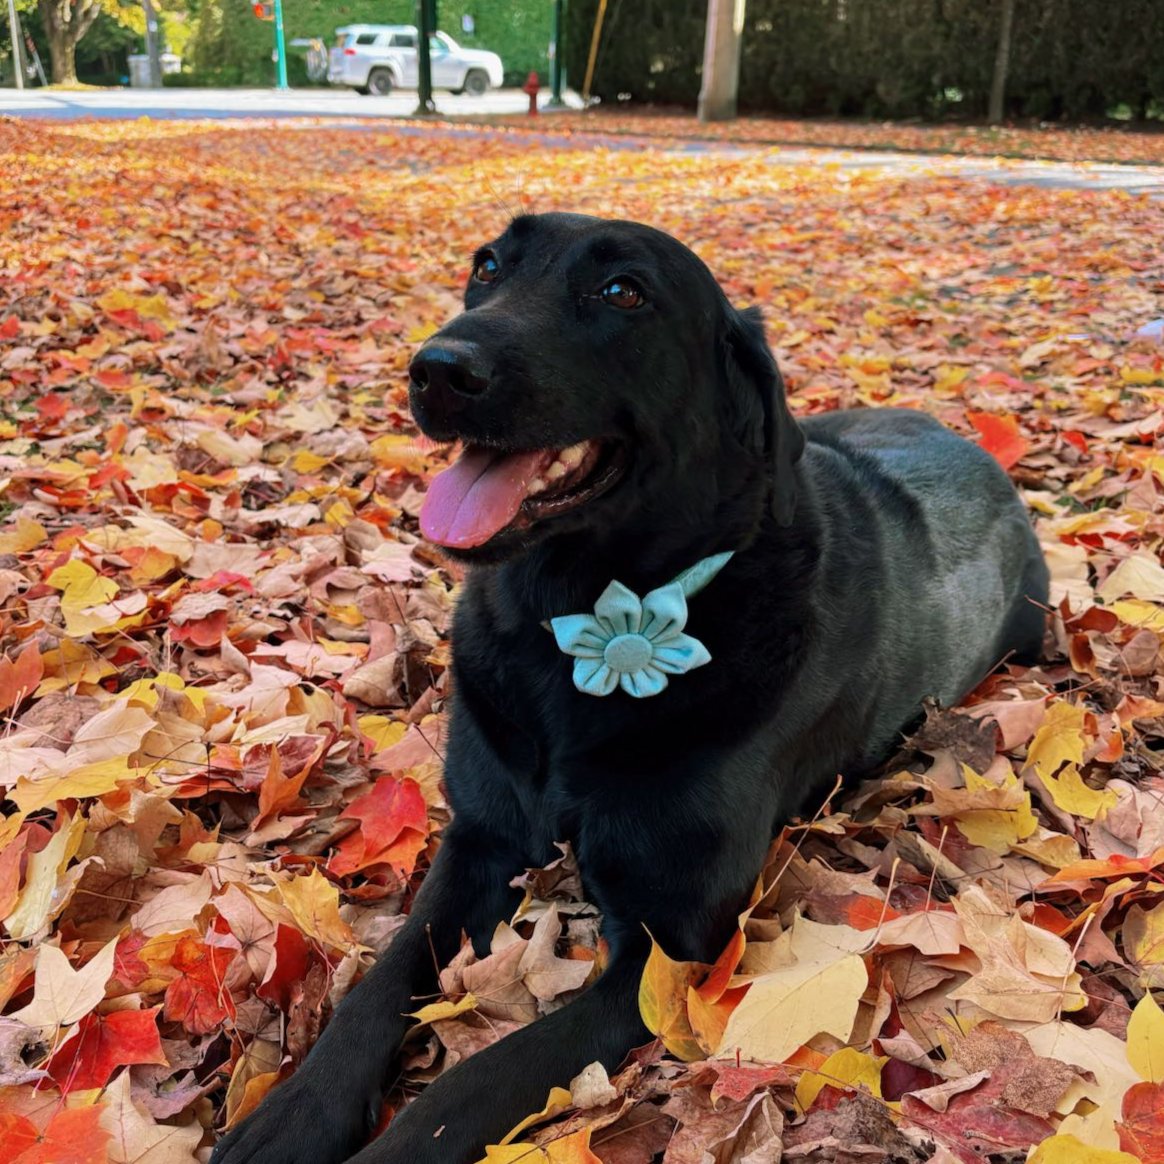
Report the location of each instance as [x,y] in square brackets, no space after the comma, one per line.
[479,1101]
[326,1110]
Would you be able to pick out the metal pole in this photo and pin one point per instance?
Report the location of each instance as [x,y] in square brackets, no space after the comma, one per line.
[280,49]
[595,37]
[152,50]
[425,26]
[14,30]
[556,58]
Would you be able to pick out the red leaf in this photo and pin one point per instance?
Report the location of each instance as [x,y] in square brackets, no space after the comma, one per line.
[976,1124]
[10,862]
[198,998]
[1142,1130]
[10,328]
[287,967]
[17,1133]
[101,1043]
[201,632]
[393,829]
[19,677]
[1000,437]
[73,1136]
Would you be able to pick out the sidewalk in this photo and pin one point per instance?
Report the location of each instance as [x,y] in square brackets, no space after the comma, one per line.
[177,104]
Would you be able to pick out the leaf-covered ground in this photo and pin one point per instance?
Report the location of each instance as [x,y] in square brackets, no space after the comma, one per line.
[1065,143]
[225,656]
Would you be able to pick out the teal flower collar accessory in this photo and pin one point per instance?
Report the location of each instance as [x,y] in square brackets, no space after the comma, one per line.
[637,643]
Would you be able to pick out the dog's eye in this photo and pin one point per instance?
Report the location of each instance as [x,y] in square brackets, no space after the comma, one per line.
[622,293]
[486,269]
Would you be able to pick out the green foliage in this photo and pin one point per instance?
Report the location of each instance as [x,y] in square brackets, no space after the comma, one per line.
[885,58]
[231,47]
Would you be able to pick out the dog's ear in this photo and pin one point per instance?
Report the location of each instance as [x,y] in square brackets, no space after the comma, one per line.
[759,409]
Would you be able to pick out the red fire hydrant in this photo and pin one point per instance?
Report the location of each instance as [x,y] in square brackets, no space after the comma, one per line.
[530,88]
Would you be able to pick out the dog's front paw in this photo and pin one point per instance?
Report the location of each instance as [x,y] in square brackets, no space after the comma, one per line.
[301,1122]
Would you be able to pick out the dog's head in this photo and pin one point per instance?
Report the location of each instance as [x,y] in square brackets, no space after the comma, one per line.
[598,376]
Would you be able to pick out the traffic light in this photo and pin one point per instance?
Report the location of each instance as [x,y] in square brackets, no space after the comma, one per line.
[264,11]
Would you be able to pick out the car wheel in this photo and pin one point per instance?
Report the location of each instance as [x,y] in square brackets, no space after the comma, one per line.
[476,82]
[380,82]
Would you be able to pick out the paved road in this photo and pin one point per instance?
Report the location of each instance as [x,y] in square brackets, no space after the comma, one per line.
[343,107]
[175,104]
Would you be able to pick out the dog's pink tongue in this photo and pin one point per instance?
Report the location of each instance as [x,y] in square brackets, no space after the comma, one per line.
[477,496]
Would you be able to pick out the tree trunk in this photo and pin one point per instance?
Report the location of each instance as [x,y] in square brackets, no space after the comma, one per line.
[721,60]
[1001,64]
[65,22]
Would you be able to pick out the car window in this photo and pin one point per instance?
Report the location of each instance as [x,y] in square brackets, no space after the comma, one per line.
[436,46]
[341,39]
[367,38]
[404,40]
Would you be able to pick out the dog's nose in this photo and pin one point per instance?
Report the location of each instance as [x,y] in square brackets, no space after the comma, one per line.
[450,367]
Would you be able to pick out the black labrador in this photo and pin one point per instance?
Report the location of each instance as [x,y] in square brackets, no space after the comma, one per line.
[622,423]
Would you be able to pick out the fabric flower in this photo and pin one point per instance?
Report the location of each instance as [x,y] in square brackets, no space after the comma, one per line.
[634,643]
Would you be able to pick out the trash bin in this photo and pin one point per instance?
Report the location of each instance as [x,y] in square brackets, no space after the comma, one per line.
[139,70]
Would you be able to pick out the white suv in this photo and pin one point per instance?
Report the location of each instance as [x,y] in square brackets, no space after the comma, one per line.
[377,58]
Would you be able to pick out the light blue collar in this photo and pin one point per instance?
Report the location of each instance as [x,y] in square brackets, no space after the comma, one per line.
[636,643]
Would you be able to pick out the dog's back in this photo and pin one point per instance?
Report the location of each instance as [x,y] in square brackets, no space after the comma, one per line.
[959,573]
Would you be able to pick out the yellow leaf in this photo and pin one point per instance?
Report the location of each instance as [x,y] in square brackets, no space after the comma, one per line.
[1068,1150]
[1059,741]
[47,884]
[1139,575]
[419,333]
[314,904]
[997,829]
[436,1011]
[81,585]
[146,306]
[571,1149]
[663,1002]
[1146,1040]
[1138,613]
[1138,375]
[382,731]
[1071,795]
[556,1102]
[396,451]
[26,535]
[94,779]
[1143,941]
[73,665]
[817,994]
[305,461]
[847,1067]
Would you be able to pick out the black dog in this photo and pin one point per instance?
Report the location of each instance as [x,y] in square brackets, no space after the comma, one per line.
[621,421]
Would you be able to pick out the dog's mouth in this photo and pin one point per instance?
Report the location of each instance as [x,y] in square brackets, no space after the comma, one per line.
[487,491]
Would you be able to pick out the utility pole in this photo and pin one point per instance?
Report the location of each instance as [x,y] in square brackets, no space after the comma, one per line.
[14,30]
[1001,65]
[556,58]
[425,27]
[721,60]
[152,49]
[280,50]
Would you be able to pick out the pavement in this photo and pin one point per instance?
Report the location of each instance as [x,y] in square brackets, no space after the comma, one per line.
[178,104]
[342,107]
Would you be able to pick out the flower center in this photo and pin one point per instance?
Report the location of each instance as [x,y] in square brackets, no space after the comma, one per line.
[628,653]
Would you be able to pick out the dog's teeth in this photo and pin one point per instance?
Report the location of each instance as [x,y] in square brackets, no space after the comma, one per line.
[536,486]
[555,471]
[572,456]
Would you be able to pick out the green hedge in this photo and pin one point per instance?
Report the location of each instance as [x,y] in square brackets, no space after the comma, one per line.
[231,47]
[886,58]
